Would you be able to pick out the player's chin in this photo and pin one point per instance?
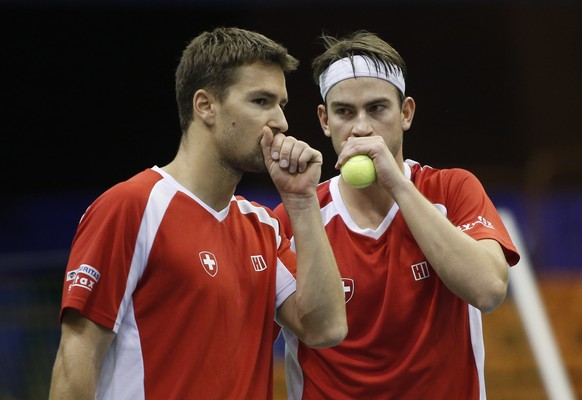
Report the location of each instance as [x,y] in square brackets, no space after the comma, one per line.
[255,164]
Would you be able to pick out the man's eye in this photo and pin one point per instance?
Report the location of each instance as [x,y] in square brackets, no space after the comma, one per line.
[260,102]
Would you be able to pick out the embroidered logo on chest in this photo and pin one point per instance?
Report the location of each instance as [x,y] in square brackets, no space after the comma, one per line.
[209,263]
[420,271]
[259,263]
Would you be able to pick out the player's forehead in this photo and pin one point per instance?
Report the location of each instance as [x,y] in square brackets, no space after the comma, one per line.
[262,79]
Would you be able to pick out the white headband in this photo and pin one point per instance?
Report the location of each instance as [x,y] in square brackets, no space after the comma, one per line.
[364,67]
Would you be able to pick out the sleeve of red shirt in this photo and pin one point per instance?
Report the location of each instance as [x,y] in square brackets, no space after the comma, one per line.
[472,211]
[104,244]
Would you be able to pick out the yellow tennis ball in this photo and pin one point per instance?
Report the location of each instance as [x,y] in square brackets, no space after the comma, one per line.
[359,171]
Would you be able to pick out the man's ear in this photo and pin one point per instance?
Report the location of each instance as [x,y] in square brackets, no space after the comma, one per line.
[323,120]
[407,114]
[204,106]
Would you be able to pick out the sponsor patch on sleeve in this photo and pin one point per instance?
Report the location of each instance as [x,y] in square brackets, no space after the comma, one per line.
[85,277]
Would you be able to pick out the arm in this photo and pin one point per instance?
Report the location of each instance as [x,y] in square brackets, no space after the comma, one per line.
[316,311]
[476,271]
[81,352]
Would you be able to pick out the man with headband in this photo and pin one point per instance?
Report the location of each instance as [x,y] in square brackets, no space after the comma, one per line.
[422,251]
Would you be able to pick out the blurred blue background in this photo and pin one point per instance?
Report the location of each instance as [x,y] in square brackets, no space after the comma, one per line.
[87,100]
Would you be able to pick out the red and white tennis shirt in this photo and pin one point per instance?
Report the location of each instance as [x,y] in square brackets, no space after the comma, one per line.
[191,293]
[409,337]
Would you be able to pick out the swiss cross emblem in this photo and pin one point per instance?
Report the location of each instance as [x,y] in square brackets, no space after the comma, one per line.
[348,288]
[209,263]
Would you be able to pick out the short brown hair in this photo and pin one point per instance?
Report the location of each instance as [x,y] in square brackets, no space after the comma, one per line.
[211,60]
[362,43]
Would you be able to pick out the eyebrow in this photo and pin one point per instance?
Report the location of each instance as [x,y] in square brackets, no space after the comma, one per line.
[337,104]
[270,95]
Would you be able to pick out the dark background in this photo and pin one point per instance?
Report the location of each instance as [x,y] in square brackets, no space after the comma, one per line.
[87,97]
[87,100]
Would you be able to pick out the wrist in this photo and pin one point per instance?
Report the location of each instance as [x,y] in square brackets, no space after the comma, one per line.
[297,205]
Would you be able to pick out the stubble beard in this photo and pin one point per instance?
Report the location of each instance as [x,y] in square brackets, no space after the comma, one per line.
[252,161]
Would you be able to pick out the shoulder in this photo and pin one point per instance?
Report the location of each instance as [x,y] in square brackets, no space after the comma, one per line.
[130,194]
[138,185]
[425,175]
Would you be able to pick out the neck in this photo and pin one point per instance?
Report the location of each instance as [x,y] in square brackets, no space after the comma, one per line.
[368,207]
[196,168]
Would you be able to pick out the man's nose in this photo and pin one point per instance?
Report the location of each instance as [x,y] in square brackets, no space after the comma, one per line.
[362,126]
[278,122]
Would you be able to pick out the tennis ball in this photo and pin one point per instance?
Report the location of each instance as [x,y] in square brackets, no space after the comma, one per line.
[359,171]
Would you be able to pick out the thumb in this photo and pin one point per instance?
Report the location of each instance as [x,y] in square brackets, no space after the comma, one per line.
[266,142]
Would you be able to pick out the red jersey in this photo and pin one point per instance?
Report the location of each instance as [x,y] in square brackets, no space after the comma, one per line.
[409,337]
[191,293]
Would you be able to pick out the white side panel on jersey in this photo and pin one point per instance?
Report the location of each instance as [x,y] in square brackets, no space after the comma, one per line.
[293,372]
[124,360]
[160,197]
[122,371]
[286,284]
[476,329]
